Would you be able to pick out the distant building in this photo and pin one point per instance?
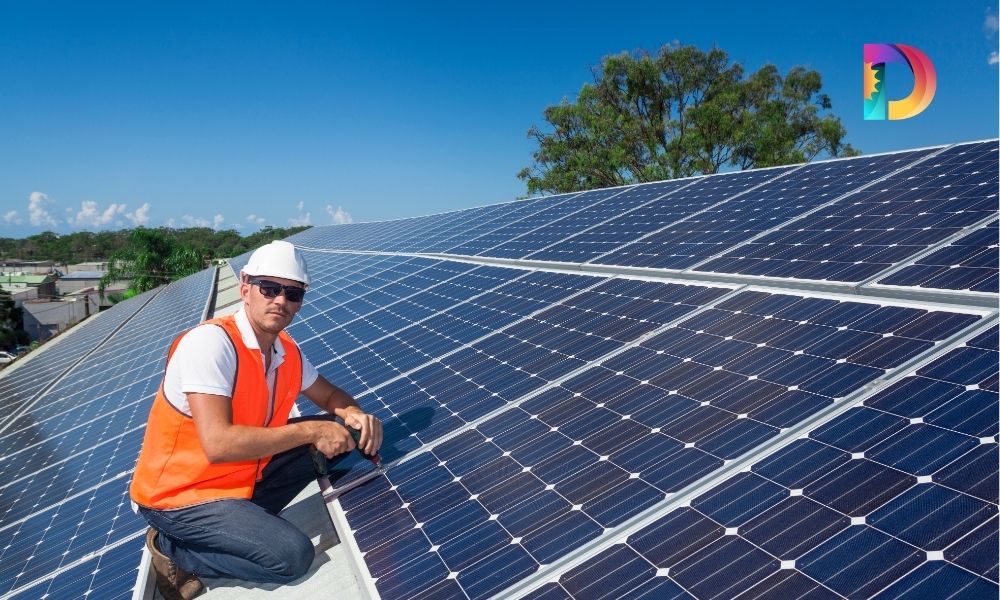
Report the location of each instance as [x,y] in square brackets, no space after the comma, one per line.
[45,285]
[44,318]
[29,267]
[20,295]
[86,266]
[96,300]
[78,280]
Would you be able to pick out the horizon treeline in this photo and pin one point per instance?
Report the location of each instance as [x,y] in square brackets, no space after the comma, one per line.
[86,246]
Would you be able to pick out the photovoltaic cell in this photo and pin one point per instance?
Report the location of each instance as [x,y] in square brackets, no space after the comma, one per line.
[556,231]
[872,230]
[691,240]
[849,512]
[508,235]
[551,474]
[18,386]
[65,461]
[968,264]
[648,208]
[526,412]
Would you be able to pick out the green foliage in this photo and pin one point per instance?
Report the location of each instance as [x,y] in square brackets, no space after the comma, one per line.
[153,257]
[11,322]
[682,112]
[85,246]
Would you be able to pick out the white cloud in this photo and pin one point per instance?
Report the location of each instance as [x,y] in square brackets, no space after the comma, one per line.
[992,24]
[189,221]
[217,221]
[90,215]
[11,218]
[338,216]
[38,215]
[171,222]
[994,58]
[303,219]
[140,216]
[253,219]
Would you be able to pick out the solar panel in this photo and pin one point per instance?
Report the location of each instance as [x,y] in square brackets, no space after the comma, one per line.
[871,230]
[65,460]
[19,386]
[896,498]
[689,240]
[967,264]
[552,210]
[588,432]
[538,481]
[637,212]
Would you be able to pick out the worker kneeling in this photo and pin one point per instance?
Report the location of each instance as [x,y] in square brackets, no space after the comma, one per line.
[221,457]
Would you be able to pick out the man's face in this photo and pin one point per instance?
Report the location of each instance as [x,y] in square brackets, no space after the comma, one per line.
[269,315]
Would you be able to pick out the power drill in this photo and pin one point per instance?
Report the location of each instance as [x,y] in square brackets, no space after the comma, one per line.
[319,459]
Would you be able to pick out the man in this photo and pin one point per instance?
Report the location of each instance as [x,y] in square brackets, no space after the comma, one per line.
[221,457]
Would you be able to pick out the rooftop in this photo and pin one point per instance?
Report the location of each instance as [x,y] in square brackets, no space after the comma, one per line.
[641,390]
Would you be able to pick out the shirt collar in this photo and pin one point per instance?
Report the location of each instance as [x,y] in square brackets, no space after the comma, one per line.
[250,338]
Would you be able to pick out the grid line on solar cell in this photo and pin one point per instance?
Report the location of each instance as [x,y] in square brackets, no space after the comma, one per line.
[116,557]
[66,532]
[457,289]
[876,227]
[569,485]
[393,335]
[50,491]
[132,354]
[526,317]
[76,493]
[688,242]
[444,357]
[45,370]
[530,222]
[549,225]
[466,238]
[965,261]
[492,295]
[455,231]
[608,236]
[748,502]
[429,445]
[363,278]
[373,236]
[109,576]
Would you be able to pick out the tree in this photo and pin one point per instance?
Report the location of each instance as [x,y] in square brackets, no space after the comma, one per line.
[151,259]
[11,322]
[682,112]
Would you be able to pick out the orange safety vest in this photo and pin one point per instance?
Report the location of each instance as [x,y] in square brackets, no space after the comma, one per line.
[173,471]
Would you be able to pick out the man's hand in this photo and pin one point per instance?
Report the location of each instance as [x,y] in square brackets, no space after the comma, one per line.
[369,426]
[330,437]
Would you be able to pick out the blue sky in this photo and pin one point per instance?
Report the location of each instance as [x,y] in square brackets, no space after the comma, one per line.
[239,114]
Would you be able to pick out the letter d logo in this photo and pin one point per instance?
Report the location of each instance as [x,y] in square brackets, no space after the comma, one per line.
[924,82]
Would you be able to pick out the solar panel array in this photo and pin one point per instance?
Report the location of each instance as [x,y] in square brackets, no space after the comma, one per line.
[65,519]
[716,387]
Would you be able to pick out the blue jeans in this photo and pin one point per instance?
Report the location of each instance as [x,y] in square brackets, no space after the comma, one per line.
[243,539]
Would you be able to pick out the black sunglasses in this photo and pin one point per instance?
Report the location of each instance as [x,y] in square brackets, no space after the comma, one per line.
[271,289]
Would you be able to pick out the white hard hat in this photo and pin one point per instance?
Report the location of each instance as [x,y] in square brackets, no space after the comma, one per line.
[278,259]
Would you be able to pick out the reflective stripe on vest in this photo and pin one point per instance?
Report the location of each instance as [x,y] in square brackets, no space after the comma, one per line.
[173,471]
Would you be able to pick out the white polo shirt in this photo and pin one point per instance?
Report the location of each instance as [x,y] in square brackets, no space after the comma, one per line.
[205,362]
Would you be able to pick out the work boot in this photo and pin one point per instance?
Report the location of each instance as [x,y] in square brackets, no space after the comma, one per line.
[173,582]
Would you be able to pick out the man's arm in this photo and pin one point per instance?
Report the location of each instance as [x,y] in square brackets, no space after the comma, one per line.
[223,441]
[336,401]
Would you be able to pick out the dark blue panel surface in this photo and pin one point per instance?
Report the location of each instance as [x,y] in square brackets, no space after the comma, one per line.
[969,264]
[684,243]
[872,230]
[828,519]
